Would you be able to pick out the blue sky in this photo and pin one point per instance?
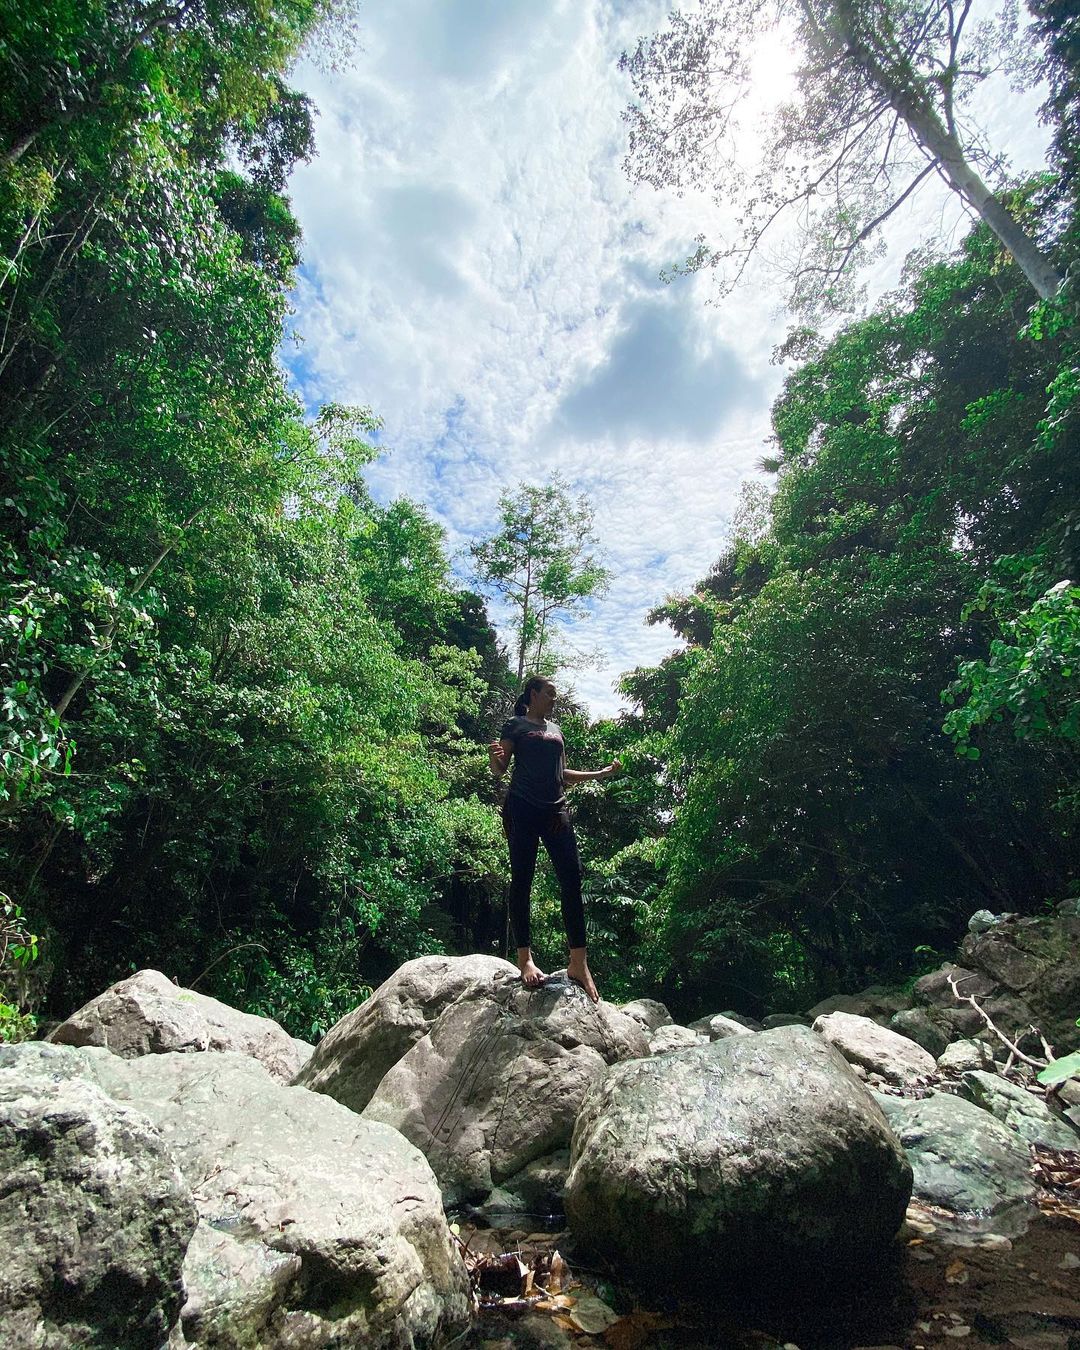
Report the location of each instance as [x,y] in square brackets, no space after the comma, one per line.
[479,271]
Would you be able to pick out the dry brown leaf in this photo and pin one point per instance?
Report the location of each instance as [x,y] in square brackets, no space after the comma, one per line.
[558,1276]
[563,1322]
[635,1329]
[554,1303]
[956,1273]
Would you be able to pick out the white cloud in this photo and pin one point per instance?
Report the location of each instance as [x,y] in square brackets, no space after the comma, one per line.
[478,270]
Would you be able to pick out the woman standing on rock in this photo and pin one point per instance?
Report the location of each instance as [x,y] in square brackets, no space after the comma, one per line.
[535,810]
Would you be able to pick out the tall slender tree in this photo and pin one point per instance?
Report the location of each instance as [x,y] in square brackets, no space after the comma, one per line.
[543,562]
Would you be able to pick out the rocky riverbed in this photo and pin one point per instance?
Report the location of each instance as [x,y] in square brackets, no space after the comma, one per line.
[928,1291]
[882,1170]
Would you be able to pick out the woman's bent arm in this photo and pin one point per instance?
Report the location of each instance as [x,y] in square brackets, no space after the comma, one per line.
[499,753]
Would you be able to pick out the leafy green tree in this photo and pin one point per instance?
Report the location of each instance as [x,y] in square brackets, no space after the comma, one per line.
[821,825]
[543,562]
[240,697]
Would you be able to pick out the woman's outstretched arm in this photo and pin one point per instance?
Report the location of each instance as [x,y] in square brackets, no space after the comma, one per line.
[572,776]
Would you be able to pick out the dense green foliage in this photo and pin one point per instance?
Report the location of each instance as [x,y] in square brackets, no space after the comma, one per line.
[830,815]
[245,704]
[241,699]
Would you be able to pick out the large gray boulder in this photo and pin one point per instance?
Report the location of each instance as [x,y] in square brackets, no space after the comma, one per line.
[147,1014]
[961,1056]
[758,1154]
[964,1160]
[1019,1109]
[957,1018]
[674,1037]
[718,1026]
[877,1049]
[879,1003]
[95,1215]
[352,1203]
[1035,960]
[356,1053]
[1022,972]
[649,1012]
[316,1227]
[919,1026]
[482,1074]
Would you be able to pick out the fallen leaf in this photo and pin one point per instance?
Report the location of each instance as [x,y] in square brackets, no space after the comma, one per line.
[563,1322]
[956,1273]
[636,1329]
[558,1276]
[592,1315]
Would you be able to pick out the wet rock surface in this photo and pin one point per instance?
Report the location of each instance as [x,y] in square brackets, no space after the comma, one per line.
[964,1160]
[1024,1112]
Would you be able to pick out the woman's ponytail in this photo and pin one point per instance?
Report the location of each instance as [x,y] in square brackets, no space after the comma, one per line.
[521,707]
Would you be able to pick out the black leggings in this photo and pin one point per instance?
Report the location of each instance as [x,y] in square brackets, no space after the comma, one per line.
[525,826]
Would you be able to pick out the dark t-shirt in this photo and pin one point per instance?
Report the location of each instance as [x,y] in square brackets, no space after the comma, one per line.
[539,760]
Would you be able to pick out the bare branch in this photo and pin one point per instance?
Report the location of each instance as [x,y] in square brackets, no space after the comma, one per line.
[1014,1050]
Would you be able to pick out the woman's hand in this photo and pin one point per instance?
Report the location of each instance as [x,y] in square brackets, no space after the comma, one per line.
[611,770]
[498,758]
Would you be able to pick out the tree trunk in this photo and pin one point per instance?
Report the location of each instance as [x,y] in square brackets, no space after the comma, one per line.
[946,150]
[906,94]
[525,615]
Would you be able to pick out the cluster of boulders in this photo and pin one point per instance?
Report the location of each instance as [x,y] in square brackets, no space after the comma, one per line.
[178,1173]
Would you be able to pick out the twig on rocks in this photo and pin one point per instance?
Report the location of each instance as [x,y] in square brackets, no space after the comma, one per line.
[1014,1050]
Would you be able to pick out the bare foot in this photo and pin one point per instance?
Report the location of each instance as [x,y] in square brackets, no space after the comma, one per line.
[532,977]
[578,971]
